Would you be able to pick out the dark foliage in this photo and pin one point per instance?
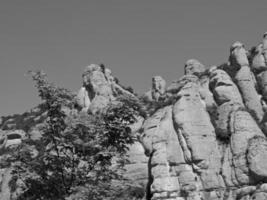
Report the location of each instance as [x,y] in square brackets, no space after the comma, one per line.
[78,156]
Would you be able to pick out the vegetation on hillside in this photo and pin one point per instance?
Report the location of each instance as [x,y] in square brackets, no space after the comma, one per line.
[79,156]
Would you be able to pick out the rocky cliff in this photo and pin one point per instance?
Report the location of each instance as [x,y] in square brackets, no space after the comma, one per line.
[204,137]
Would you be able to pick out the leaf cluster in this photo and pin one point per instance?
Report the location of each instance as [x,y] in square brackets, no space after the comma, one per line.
[78,155]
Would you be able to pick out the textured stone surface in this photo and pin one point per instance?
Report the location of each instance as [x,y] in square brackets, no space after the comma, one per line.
[223,88]
[206,95]
[243,128]
[83,99]
[258,60]
[158,87]
[246,81]
[99,88]
[257,157]
[194,67]
[157,90]
[262,81]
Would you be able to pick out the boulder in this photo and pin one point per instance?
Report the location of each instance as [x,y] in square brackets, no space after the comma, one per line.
[257,157]
[243,128]
[194,67]
[223,88]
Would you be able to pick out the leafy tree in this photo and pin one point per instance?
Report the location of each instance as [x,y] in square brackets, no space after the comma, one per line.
[79,155]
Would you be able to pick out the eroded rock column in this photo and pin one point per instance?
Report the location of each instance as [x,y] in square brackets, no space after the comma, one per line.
[246,80]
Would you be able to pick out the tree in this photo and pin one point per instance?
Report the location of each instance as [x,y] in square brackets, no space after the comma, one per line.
[78,156]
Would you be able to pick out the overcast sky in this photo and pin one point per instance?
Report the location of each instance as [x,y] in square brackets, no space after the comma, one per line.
[136,39]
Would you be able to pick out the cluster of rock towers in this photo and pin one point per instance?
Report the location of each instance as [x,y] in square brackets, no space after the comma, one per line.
[208,144]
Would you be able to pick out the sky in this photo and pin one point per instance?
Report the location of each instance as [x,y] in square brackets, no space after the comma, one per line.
[136,39]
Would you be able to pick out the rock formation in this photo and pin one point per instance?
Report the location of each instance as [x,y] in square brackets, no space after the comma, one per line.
[157,90]
[99,88]
[215,131]
[205,139]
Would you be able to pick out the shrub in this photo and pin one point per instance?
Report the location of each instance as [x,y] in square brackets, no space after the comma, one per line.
[78,156]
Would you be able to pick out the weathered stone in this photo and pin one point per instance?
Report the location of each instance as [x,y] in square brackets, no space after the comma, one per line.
[205,140]
[228,172]
[243,128]
[222,118]
[158,87]
[157,90]
[83,99]
[192,119]
[162,145]
[206,95]
[248,190]
[257,157]
[238,57]
[258,60]
[175,86]
[262,81]
[5,178]
[259,196]
[246,81]
[223,88]
[136,168]
[194,67]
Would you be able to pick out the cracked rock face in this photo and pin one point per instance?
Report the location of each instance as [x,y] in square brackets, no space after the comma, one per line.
[245,80]
[217,153]
[257,157]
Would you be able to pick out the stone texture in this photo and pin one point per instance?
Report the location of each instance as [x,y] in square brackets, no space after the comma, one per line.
[206,95]
[258,60]
[245,80]
[99,88]
[157,90]
[194,67]
[160,141]
[158,87]
[83,99]
[243,128]
[223,88]
[262,82]
[257,157]
[136,169]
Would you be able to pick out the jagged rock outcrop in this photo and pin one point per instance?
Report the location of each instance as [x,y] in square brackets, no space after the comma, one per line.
[99,88]
[217,122]
[157,90]
[204,140]
[194,67]
[245,80]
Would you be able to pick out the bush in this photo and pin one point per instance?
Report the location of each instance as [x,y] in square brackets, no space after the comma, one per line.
[78,156]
